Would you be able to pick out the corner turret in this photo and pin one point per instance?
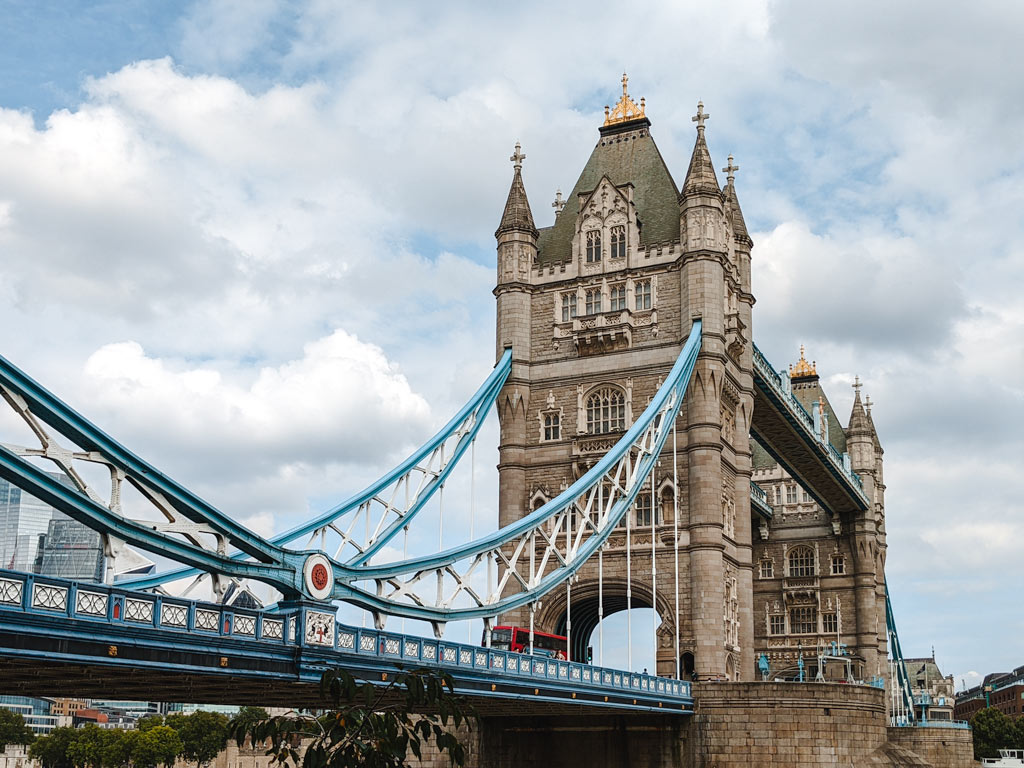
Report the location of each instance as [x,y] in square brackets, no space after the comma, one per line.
[516,234]
[701,201]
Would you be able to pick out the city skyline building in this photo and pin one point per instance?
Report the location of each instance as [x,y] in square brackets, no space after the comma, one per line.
[36,538]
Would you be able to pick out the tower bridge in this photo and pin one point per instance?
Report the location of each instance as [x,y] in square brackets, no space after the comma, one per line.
[649,456]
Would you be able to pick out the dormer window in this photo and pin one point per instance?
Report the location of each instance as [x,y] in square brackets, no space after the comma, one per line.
[617,297]
[618,242]
[593,301]
[568,306]
[593,246]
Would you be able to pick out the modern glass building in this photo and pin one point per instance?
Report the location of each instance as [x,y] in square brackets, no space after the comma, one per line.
[34,537]
[36,712]
[71,551]
[24,520]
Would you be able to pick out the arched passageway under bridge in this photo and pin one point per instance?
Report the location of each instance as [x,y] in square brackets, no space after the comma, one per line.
[586,611]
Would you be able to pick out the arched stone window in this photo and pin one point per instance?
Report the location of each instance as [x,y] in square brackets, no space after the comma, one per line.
[801,561]
[606,411]
[618,242]
[593,246]
[643,511]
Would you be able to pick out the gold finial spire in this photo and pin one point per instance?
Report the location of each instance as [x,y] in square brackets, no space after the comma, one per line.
[626,109]
[802,368]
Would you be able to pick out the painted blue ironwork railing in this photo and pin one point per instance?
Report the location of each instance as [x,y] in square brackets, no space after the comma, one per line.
[774,379]
[94,605]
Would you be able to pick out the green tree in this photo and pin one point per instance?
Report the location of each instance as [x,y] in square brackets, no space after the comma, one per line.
[150,721]
[159,745]
[992,731]
[1018,728]
[248,715]
[203,734]
[13,729]
[367,725]
[86,748]
[117,751]
[51,751]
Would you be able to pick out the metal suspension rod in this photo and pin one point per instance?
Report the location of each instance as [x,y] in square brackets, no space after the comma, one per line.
[629,593]
[568,588]
[440,503]
[533,608]
[675,540]
[405,554]
[654,579]
[472,514]
[600,606]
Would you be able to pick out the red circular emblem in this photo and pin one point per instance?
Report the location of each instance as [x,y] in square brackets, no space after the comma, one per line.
[319,576]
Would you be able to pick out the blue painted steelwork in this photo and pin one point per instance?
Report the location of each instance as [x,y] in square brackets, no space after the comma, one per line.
[476,407]
[64,610]
[23,393]
[903,713]
[646,438]
[630,460]
[771,384]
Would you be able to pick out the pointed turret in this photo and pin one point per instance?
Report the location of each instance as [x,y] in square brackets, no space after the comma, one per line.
[860,435]
[700,176]
[517,215]
[860,422]
[517,255]
[732,205]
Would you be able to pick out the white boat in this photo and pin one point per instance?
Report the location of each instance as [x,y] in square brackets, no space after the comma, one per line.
[1007,758]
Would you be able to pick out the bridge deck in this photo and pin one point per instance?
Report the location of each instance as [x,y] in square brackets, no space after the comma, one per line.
[782,426]
[59,637]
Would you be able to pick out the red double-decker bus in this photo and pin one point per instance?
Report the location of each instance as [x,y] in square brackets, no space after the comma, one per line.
[518,639]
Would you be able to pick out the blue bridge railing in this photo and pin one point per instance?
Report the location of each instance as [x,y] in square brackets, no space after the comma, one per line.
[315,628]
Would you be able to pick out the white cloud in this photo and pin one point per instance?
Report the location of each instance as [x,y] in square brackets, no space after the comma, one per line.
[342,402]
[297,170]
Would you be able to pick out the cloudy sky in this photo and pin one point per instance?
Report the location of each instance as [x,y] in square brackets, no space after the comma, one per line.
[254,240]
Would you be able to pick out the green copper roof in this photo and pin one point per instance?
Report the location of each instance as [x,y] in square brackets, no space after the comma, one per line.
[625,156]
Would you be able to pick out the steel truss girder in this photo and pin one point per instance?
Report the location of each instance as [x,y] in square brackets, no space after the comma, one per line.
[377,510]
[189,518]
[426,587]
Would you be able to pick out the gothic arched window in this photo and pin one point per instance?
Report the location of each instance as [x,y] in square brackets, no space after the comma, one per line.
[618,242]
[606,411]
[593,246]
[801,561]
[643,511]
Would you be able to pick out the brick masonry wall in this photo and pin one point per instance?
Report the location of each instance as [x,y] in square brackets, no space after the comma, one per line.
[942,747]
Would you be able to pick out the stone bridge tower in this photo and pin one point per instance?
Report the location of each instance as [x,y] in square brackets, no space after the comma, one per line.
[596,308]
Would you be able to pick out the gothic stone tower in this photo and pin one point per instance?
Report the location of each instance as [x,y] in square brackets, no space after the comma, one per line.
[820,576]
[596,309]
